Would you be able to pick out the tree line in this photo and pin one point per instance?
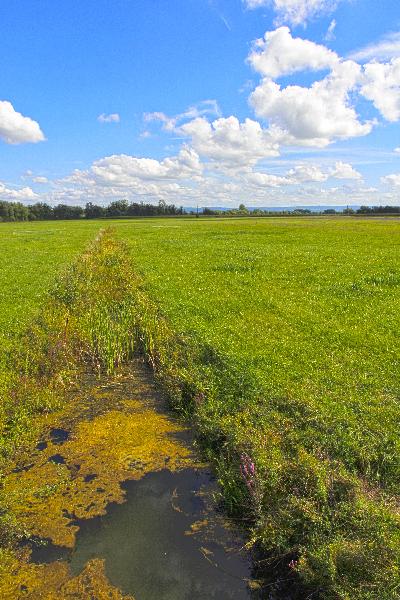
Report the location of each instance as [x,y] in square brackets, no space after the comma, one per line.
[16,211]
[261,212]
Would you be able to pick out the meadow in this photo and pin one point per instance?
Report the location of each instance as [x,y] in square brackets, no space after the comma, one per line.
[279,339]
[31,255]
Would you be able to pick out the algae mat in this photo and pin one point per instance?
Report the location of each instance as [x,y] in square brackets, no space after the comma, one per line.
[110,432]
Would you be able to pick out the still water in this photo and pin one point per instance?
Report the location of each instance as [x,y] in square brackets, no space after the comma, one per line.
[166,542]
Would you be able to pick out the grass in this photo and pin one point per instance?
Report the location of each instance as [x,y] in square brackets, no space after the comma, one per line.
[31,255]
[292,329]
[280,339]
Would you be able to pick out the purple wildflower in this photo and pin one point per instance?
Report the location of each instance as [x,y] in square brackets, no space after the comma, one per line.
[248,472]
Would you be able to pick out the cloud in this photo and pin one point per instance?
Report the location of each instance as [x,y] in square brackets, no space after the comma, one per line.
[112,118]
[122,170]
[280,54]
[265,179]
[18,195]
[330,33]
[35,178]
[382,86]
[345,171]
[17,129]
[182,180]
[316,115]
[385,49]
[203,108]
[296,12]
[313,173]
[303,173]
[397,150]
[392,180]
[230,141]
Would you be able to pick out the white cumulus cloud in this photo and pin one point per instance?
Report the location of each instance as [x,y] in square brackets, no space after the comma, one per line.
[382,86]
[311,173]
[17,195]
[278,53]
[392,180]
[203,108]
[230,141]
[345,171]
[316,115]
[303,173]
[17,129]
[263,180]
[122,170]
[111,118]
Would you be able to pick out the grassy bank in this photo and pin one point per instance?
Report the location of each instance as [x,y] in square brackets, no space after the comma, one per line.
[86,322]
[279,340]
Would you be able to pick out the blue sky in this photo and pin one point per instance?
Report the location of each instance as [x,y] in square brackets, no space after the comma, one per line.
[177,101]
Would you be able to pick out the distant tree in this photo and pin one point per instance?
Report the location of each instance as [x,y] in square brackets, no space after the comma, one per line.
[13,211]
[64,211]
[134,209]
[40,212]
[118,208]
[301,211]
[162,206]
[7,211]
[364,210]
[93,211]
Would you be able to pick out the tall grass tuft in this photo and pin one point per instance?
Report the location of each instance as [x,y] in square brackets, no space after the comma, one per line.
[88,322]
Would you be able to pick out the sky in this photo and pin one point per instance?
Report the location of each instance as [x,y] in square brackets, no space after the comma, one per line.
[200,102]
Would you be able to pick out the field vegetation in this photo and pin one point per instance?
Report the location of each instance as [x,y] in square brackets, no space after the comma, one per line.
[287,354]
[278,338]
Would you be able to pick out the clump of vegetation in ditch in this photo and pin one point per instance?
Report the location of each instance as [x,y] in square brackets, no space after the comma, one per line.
[87,322]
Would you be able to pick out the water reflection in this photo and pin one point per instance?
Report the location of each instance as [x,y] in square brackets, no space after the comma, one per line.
[165,542]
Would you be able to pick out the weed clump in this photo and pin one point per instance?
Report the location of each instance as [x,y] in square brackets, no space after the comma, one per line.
[88,322]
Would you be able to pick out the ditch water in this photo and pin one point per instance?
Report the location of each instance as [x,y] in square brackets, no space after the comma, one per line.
[152,550]
[137,500]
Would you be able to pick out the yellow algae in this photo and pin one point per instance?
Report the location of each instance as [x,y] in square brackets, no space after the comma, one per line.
[198,526]
[125,439]
[20,579]
[91,584]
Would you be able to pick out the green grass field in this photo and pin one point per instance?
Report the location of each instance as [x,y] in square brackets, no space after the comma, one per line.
[309,308]
[292,370]
[31,255]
